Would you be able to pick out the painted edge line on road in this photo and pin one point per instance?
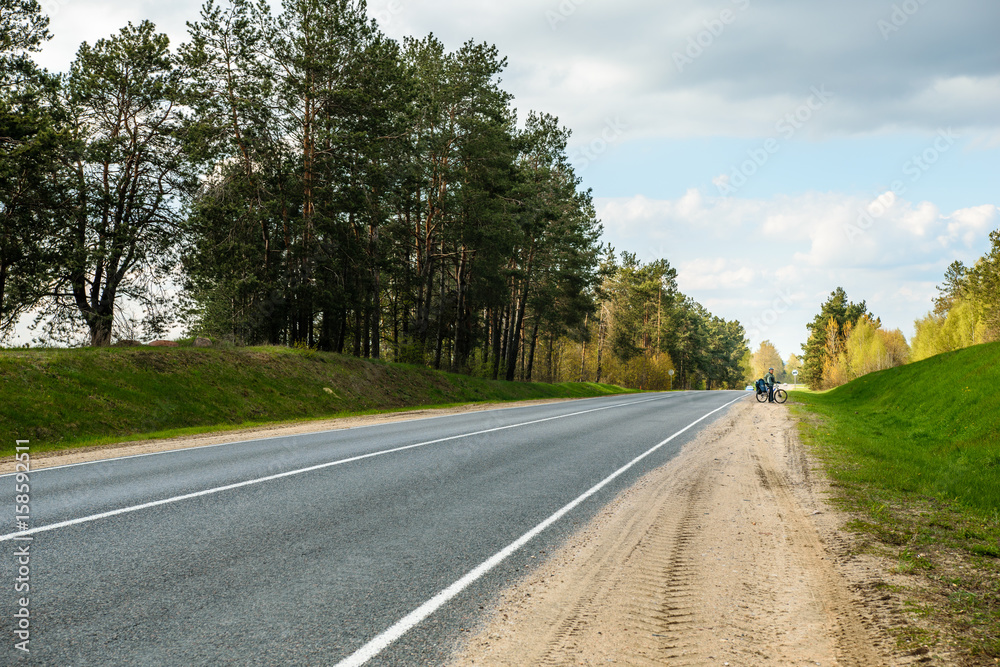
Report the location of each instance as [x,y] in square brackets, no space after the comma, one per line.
[295,435]
[408,622]
[299,471]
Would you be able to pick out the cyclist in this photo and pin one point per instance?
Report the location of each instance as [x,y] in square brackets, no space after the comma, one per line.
[770,381]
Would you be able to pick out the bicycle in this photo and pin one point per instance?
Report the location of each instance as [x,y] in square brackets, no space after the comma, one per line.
[780,395]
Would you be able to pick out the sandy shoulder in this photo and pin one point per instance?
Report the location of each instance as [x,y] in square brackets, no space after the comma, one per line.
[134,448]
[727,555]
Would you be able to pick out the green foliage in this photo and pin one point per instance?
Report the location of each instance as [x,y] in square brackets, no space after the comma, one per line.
[321,184]
[123,174]
[982,284]
[23,29]
[30,146]
[406,210]
[650,328]
[953,288]
[961,326]
[794,363]
[643,299]
[869,348]
[29,152]
[63,398]
[967,311]
[829,361]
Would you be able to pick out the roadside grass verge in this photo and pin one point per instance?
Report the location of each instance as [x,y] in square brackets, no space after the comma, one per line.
[59,399]
[914,456]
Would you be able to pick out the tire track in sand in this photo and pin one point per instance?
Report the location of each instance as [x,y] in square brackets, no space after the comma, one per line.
[712,559]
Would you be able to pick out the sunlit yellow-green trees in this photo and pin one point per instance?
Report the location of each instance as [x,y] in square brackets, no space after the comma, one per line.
[766,357]
[858,348]
[967,310]
[962,326]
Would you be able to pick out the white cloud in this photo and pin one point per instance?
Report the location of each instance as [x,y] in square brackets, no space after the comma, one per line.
[771,263]
[617,60]
[73,22]
[918,221]
[960,99]
[970,224]
[714,274]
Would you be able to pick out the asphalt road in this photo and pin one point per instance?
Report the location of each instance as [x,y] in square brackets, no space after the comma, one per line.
[375,545]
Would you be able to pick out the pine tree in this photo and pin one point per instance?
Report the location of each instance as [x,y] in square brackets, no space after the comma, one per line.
[984,288]
[31,144]
[953,288]
[128,179]
[827,332]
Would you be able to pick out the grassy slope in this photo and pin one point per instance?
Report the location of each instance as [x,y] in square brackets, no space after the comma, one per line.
[915,455]
[62,398]
[930,428]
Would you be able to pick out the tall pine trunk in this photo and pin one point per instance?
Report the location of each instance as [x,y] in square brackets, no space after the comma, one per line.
[531,354]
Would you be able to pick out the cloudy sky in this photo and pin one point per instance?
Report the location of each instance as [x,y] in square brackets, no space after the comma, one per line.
[771,150]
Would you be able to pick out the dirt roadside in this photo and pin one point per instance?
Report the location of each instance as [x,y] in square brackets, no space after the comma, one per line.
[136,448]
[728,555]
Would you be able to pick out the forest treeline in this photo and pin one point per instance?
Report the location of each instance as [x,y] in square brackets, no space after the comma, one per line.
[847,341]
[298,178]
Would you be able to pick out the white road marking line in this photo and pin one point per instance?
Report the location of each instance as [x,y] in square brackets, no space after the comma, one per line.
[291,473]
[294,435]
[408,622]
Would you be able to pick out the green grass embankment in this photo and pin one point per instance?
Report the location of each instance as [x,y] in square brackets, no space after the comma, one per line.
[914,454]
[931,428]
[66,398]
